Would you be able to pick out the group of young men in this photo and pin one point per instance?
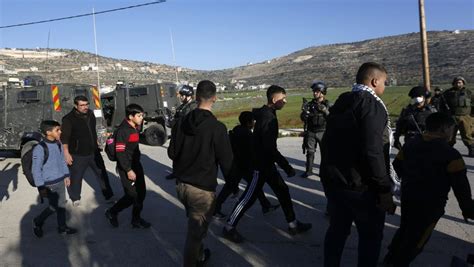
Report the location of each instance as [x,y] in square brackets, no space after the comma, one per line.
[354,170]
[67,151]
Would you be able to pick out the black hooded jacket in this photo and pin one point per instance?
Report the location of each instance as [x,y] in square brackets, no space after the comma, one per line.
[199,143]
[265,136]
[241,139]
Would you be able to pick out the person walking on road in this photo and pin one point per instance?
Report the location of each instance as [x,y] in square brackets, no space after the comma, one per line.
[355,170]
[81,150]
[199,144]
[266,155]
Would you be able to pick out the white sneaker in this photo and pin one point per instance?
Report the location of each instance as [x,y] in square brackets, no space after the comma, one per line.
[76,203]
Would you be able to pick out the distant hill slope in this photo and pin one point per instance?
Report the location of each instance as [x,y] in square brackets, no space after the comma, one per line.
[450,54]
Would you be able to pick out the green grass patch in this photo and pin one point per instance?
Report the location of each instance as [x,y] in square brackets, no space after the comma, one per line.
[229,105]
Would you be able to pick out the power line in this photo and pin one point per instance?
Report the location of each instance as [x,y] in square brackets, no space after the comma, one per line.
[82,15]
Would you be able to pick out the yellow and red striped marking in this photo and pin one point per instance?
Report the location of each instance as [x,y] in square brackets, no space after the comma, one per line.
[95,93]
[55,95]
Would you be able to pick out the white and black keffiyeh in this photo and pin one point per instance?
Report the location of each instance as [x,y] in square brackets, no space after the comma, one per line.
[393,175]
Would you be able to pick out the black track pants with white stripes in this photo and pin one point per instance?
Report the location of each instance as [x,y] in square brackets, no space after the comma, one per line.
[272,177]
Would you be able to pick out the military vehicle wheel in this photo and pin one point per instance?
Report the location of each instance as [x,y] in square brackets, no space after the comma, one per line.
[155,135]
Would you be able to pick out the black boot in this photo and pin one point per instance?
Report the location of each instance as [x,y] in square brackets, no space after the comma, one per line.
[309,165]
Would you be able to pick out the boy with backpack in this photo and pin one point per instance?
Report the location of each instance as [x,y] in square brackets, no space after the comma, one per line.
[50,176]
[127,154]
[429,168]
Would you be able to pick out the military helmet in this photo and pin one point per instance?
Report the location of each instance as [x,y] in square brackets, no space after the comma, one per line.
[418,91]
[319,86]
[459,78]
[186,90]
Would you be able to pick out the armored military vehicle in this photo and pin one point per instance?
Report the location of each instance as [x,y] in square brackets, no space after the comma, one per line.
[158,100]
[23,108]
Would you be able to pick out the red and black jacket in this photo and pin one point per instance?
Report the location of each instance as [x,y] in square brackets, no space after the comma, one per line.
[126,146]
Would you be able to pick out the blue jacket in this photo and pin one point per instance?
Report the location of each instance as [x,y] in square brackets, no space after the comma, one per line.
[54,170]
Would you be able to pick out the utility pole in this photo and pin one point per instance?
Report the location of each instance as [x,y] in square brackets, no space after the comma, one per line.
[96,54]
[174,58]
[424,46]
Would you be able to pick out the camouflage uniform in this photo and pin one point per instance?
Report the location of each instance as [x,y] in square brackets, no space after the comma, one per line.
[183,109]
[459,105]
[314,116]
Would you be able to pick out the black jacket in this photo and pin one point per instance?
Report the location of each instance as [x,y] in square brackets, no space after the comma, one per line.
[353,145]
[265,136]
[241,139]
[199,143]
[429,167]
[412,120]
[79,133]
[126,146]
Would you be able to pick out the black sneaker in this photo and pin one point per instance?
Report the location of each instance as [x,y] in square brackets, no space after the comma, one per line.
[300,228]
[206,254]
[67,230]
[306,174]
[140,223]
[112,218]
[232,235]
[219,215]
[266,210]
[37,230]
[235,194]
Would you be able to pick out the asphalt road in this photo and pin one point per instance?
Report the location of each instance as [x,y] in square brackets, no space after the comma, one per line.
[267,241]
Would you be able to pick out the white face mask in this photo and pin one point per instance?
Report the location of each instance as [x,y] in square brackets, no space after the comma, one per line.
[417,100]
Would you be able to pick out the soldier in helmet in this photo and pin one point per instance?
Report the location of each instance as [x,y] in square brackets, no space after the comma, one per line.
[436,99]
[412,119]
[458,103]
[185,94]
[314,115]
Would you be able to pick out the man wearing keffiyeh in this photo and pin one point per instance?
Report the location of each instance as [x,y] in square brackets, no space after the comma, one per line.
[355,167]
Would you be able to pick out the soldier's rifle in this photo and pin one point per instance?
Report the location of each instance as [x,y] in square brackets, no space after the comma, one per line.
[305,110]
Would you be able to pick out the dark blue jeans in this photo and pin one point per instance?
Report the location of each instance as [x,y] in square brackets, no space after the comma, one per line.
[358,207]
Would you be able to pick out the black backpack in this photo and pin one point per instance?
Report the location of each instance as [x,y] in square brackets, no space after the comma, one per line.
[110,147]
[27,155]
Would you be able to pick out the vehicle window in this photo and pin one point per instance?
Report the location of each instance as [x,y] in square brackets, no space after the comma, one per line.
[80,91]
[28,96]
[138,91]
[171,91]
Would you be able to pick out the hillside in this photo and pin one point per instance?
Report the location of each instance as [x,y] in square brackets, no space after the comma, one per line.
[451,54]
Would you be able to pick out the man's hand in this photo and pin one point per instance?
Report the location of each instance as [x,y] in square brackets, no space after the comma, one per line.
[131,175]
[67,182]
[397,144]
[322,108]
[385,203]
[67,157]
[290,172]
[43,191]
